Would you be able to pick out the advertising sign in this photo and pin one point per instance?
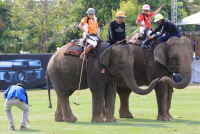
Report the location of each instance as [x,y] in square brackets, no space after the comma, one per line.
[29,69]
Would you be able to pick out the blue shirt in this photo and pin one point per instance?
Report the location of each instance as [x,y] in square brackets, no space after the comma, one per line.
[165,26]
[16,91]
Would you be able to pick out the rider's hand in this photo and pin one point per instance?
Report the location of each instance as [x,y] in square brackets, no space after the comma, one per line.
[145,26]
[150,37]
[118,42]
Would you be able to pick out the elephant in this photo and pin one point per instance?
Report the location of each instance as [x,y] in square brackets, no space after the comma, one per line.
[133,66]
[64,73]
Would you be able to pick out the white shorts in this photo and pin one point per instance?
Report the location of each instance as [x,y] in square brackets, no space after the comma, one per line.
[93,40]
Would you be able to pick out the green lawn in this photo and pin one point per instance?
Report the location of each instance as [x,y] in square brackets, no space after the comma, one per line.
[185,111]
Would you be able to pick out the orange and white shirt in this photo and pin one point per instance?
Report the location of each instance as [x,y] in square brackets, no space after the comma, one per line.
[92,25]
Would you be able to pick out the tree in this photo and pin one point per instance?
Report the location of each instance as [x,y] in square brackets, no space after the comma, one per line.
[40,24]
[4,25]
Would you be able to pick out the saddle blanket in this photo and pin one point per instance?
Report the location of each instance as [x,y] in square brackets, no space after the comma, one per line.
[75,50]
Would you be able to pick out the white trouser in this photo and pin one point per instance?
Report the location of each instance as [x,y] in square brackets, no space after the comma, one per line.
[21,105]
[93,40]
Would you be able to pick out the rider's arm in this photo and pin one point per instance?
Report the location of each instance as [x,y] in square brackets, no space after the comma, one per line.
[83,21]
[124,33]
[97,30]
[156,30]
[158,10]
[81,27]
[111,34]
[163,28]
[98,33]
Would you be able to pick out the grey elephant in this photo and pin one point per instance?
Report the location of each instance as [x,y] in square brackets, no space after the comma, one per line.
[126,62]
[64,73]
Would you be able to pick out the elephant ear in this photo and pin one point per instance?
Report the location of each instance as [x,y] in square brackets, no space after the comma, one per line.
[160,53]
[105,57]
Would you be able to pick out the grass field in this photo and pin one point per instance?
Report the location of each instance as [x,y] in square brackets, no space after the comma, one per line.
[185,111]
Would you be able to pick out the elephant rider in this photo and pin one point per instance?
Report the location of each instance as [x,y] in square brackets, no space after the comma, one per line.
[144,19]
[165,27]
[91,26]
[116,32]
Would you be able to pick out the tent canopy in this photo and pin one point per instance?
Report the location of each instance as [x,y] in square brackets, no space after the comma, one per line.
[192,19]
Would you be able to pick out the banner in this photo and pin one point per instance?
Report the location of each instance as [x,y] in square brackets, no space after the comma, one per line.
[29,69]
[196,70]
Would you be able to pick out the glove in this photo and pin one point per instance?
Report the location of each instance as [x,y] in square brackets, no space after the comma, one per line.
[163,5]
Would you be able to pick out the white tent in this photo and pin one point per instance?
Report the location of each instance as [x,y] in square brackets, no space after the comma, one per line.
[192,19]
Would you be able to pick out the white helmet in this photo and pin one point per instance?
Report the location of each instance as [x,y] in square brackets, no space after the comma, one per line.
[158,17]
[146,7]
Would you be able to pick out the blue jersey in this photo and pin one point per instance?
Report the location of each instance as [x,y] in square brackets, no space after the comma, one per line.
[16,91]
[166,26]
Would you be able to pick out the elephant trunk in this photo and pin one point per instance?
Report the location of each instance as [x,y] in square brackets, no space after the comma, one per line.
[131,83]
[185,72]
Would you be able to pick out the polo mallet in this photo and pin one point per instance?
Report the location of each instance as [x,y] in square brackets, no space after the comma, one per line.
[122,40]
[76,103]
[125,39]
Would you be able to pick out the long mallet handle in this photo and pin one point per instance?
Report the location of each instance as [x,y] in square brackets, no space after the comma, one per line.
[122,40]
[81,73]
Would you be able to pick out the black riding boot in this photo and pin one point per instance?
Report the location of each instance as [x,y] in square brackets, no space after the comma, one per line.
[146,42]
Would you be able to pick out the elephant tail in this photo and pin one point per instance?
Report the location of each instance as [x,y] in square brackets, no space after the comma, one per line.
[48,87]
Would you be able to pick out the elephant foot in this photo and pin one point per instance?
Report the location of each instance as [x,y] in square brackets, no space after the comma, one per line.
[58,117]
[97,119]
[59,120]
[113,119]
[70,119]
[125,115]
[163,117]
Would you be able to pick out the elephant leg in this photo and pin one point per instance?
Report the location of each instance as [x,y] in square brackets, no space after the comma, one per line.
[124,94]
[58,113]
[63,93]
[169,99]
[162,101]
[66,110]
[97,103]
[110,96]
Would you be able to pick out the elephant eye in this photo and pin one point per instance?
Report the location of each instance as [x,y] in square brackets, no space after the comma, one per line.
[175,60]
